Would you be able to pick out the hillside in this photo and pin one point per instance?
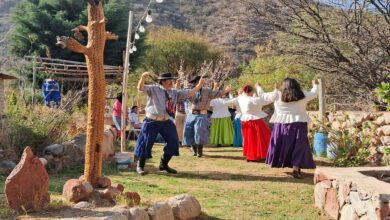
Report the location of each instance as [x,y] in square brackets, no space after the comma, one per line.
[227,24]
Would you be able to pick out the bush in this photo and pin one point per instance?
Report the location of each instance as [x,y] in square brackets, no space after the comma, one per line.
[38,126]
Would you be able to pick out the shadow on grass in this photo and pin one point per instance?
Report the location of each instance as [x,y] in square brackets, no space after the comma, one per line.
[215,149]
[204,216]
[213,175]
[225,157]
[67,212]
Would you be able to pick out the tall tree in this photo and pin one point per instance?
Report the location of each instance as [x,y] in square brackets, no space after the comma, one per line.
[93,52]
[38,22]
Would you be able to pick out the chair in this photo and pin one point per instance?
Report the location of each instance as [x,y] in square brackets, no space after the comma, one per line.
[133,130]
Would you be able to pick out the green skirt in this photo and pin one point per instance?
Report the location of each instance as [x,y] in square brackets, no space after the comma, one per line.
[221,131]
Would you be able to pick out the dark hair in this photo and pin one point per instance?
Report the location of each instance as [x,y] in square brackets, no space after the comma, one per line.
[291,91]
[119,97]
[247,88]
[133,107]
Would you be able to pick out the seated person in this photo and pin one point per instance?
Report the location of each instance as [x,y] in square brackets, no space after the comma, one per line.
[134,119]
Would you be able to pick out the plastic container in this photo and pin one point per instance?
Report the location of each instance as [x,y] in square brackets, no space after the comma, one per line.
[320,144]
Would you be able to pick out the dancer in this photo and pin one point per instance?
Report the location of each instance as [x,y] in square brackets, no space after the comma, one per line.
[159,108]
[289,146]
[255,131]
[221,130]
[197,131]
[237,136]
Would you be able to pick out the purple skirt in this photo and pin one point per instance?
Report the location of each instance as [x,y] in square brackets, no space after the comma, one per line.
[289,146]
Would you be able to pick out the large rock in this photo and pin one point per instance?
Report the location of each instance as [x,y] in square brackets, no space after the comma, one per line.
[54,166]
[55,150]
[184,207]
[103,182]
[344,190]
[26,188]
[138,214]
[115,216]
[348,213]
[123,211]
[331,203]
[74,190]
[110,193]
[79,142]
[161,211]
[386,130]
[132,198]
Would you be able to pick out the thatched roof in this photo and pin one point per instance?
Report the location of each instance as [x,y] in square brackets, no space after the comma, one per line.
[5,76]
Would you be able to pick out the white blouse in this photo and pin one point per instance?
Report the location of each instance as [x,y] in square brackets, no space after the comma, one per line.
[220,108]
[134,118]
[290,112]
[251,107]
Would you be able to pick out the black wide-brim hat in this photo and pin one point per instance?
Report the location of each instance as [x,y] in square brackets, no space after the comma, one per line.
[166,76]
[194,79]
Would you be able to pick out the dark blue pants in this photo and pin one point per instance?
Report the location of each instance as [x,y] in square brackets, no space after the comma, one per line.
[147,137]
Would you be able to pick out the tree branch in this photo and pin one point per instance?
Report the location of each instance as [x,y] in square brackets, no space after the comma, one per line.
[111,36]
[71,44]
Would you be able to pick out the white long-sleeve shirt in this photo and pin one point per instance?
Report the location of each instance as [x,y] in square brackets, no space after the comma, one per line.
[220,108]
[251,107]
[290,112]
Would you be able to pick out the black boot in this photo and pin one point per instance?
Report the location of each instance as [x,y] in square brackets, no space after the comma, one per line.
[194,150]
[164,164]
[200,150]
[140,166]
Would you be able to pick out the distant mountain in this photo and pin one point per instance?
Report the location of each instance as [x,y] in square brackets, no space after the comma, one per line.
[226,23]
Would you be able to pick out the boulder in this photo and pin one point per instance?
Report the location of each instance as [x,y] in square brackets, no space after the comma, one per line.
[348,213]
[138,214]
[82,205]
[132,198]
[123,211]
[344,190]
[185,207]
[385,140]
[26,188]
[43,161]
[74,190]
[115,216]
[54,166]
[56,150]
[380,121]
[103,182]
[72,151]
[386,115]
[160,211]
[331,203]
[118,186]
[319,196]
[6,167]
[386,130]
[79,142]
[110,193]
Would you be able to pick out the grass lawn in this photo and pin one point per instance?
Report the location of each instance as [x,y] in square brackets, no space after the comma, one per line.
[226,186]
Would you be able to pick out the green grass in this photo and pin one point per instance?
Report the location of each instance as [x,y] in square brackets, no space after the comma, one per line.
[226,186]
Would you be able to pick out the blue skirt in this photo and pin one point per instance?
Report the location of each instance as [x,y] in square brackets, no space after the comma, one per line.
[237,138]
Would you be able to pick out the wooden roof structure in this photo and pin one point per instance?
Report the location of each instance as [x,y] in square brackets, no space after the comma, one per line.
[5,76]
[66,70]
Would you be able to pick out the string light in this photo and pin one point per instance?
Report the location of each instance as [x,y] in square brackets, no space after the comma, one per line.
[141,28]
[134,48]
[136,36]
[149,17]
[159,1]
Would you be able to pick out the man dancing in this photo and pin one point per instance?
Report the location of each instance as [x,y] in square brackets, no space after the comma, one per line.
[159,108]
[196,130]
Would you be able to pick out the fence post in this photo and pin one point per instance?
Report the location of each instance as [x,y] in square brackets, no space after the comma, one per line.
[322,101]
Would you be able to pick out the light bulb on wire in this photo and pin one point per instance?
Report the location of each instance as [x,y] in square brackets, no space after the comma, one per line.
[149,17]
[136,36]
[159,1]
[134,48]
[131,51]
[141,28]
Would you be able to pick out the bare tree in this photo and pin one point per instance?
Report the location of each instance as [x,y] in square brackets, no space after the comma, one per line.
[346,39]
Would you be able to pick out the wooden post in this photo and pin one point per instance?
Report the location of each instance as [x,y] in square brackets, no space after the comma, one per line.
[34,80]
[322,101]
[124,86]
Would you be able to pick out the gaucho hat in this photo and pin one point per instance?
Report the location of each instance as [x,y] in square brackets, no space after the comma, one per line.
[166,76]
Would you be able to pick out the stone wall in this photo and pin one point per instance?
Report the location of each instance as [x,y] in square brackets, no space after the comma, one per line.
[348,194]
[380,123]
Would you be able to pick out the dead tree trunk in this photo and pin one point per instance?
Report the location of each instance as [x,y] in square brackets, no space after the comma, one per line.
[93,52]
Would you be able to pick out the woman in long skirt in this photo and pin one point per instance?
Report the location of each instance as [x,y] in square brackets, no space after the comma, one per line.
[255,131]
[221,130]
[289,146]
[237,138]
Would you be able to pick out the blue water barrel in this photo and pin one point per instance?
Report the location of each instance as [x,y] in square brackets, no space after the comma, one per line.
[320,145]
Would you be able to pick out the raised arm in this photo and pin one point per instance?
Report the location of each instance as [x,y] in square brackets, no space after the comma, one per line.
[141,82]
[265,98]
[313,92]
[197,88]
